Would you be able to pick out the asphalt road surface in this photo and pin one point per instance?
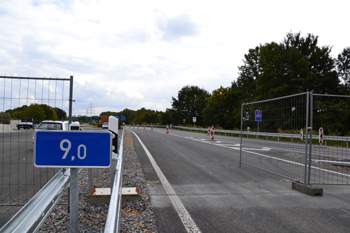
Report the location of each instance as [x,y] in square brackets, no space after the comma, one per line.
[196,185]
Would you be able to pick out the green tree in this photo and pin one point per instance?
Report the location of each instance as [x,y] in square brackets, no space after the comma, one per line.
[284,72]
[61,114]
[129,114]
[190,102]
[15,112]
[245,85]
[343,68]
[35,111]
[49,112]
[220,110]
[295,65]
[5,117]
[167,117]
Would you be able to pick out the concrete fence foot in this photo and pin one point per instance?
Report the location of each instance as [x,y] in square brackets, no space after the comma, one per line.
[307,189]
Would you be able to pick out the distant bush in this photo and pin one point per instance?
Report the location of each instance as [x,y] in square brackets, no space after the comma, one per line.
[5,118]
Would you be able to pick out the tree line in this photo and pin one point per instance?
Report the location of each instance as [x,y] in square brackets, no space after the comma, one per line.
[138,117]
[38,112]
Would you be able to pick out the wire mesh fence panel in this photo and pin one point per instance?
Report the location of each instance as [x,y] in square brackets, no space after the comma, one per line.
[271,135]
[330,154]
[23,99]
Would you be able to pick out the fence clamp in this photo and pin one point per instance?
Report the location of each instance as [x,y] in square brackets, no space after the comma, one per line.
[310,128]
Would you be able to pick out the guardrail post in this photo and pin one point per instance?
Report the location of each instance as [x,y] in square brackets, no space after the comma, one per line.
[89,181]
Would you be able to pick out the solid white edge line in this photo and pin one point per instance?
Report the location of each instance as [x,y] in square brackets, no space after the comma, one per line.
[185,217]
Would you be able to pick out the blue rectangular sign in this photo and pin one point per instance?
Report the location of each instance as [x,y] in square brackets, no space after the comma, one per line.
[72,149]
[258,115]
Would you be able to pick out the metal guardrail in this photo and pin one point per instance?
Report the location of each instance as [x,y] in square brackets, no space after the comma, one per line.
[265,134]
[34,213]
[112,221]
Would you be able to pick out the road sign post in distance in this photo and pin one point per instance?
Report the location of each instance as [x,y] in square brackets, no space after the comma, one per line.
[72,149]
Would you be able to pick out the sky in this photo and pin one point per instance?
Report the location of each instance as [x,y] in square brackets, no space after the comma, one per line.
[134,54]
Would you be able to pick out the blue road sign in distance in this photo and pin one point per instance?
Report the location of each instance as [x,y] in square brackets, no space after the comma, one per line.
[72,149]
[123,118]
[258,115]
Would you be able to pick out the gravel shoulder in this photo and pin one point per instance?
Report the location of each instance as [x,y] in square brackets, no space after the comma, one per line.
[136,215]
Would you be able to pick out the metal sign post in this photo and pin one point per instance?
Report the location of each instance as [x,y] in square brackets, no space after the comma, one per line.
[258,117]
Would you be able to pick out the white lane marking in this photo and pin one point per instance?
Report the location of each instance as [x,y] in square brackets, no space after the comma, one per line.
[185,217]
[267,156]
[262,149]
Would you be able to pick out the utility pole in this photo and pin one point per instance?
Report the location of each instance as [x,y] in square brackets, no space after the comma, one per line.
[90,107]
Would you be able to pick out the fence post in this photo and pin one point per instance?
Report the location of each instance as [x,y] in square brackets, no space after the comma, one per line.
[240,149]
[310,148]
[74,185]
[70,99]
[307,129]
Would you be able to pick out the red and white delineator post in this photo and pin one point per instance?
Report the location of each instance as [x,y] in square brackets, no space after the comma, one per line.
[212,132]
[208,130]
[171,126]
[321,135]
[144,127]
[301,135]
[137,126]
[152,126]
[167,128]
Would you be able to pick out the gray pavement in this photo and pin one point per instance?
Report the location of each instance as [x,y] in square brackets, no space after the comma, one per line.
[222,197]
